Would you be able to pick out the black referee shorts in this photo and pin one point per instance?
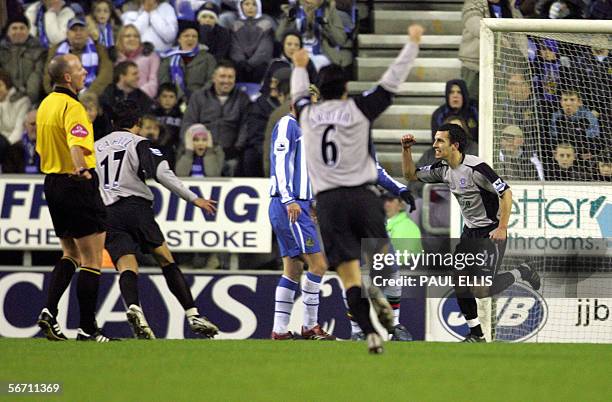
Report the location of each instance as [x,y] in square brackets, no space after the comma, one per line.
[75,206]
[346,216]
[475,241]
[130,227]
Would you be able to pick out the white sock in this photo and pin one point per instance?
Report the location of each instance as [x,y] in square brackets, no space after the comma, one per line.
[473,323]
[396,314]
[283,303]
[310,299]
[192,312]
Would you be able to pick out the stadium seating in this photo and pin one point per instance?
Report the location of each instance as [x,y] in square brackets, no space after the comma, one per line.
[424,89]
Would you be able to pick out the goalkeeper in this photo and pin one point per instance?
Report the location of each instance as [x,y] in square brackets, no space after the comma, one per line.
[485,200]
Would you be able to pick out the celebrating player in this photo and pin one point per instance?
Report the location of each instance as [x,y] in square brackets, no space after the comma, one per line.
[479,190]
[341,161]
[65,145]
[290,216]
[124,161]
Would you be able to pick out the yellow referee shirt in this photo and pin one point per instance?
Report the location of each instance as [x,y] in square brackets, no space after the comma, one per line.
[62,122]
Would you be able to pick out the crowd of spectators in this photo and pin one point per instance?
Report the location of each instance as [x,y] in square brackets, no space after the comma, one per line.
[215,64]
[225,66]
[553,112]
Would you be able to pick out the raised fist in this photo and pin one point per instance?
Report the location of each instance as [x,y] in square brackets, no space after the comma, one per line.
[408,141]
[415,31]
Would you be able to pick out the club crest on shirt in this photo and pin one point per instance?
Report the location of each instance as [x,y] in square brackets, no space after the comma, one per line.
[462,183]
[281,145]
[79,131]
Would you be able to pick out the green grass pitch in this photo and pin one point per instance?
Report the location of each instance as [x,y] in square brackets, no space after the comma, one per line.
[200,370]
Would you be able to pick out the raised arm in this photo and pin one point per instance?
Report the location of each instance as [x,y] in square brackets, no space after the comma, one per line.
[398,71]
[408,166]
[374,102]
[153,165]
[299,77]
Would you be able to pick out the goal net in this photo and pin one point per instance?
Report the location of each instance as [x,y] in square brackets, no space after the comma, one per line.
[546,118]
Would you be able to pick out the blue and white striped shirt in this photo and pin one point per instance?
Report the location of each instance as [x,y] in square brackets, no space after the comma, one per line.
[288,173]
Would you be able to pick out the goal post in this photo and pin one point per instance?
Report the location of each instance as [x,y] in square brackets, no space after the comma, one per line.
[545,118]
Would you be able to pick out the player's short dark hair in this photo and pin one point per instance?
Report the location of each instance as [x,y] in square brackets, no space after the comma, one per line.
[463,125]
[225,63]
[167,87]
[58,66]
[151,117]
[456,135]
[126,114]
[122,69]
[6,78]
[332,82]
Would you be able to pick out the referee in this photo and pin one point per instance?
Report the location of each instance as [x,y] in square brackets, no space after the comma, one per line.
[485,200]
[65,145]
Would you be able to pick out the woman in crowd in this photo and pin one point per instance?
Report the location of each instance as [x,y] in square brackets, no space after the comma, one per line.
[129,47]
[322,31]
[291,42]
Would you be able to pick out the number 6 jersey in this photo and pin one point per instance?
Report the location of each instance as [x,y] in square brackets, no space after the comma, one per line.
[336,133]
[125,160]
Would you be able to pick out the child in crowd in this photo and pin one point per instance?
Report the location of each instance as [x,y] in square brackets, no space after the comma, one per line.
[152,130]
[200,159]
[168,113]
[252,41]
[103,23]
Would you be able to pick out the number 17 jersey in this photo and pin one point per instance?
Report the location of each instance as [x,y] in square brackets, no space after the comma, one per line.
[124,161]
[336,135]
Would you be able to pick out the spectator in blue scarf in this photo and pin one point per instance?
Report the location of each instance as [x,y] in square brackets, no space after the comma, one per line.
[48,19]
[188,65]
[94,57]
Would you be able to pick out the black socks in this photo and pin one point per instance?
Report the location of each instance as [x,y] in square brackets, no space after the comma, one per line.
[128,283]
[87,293]
[360,309]
[178,286]
[60,280]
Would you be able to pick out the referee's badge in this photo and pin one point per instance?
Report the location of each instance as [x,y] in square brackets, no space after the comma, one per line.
[79,131]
